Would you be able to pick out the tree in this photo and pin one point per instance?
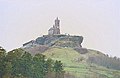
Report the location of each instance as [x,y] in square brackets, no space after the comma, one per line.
[8,70]
[26,63]
[2,61]
[38,67]
[49,68]
[58,68]
[21,64]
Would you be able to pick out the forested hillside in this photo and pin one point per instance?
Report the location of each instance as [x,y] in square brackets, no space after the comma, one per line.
[20,64]
[58,62]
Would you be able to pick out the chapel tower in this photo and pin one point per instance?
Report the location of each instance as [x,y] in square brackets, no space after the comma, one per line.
[57,22]
[55,30]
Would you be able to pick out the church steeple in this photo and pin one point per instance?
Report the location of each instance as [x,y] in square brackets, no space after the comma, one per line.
[57,23]
[55,30]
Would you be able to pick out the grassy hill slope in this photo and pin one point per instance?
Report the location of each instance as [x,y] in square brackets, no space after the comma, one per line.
[76,63]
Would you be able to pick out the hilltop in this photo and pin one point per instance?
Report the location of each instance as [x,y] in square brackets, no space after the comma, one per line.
[78,62]
[43,43]
[53,39]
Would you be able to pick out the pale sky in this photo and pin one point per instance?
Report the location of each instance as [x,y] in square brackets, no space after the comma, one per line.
[98,21]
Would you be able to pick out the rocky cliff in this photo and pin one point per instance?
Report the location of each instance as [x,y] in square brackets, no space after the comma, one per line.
[56,40]
[43,43]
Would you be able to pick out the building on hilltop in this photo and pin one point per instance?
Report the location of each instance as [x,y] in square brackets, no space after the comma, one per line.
[55,30]
[55,39]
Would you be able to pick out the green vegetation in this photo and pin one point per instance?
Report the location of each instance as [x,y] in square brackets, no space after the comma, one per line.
[72,64]
[76,64]
[20,64]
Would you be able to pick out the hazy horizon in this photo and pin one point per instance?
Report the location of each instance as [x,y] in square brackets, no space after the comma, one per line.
[98,21]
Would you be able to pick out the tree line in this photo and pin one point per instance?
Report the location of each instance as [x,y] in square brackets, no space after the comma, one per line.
[21,64]
[106,61]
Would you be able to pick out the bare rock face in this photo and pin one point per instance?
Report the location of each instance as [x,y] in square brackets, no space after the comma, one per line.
[36,49]
[60,41]
[41,44]
[56,40]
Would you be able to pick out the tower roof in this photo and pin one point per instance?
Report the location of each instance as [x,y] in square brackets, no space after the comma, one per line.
[51,29]
[57,18]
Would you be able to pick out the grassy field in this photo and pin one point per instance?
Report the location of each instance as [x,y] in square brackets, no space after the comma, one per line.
[75,63]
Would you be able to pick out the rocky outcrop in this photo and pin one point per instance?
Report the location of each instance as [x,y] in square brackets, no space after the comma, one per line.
[36,49]
[41,44]
[56,40]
